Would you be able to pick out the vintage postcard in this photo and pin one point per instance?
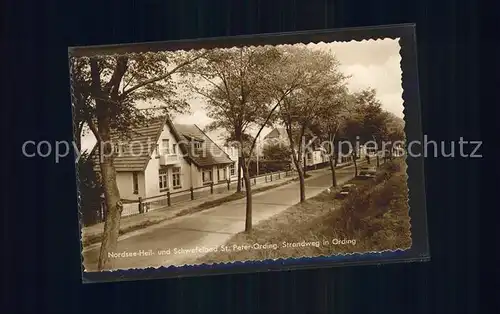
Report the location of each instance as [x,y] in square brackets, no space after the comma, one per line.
[273,150]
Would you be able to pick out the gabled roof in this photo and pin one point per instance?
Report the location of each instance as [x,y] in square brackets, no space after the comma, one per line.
[134,157]
[143,140]
[211,154]
[276,132]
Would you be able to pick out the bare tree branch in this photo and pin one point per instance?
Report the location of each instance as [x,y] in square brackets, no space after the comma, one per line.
[162,77]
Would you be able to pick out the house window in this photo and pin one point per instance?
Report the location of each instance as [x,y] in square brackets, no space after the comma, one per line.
[163,179]
[176,178]
[165,146]
[232,170]
[117,148]
[174,149]
[221,174]
[135,182]
[197,145]
[207,175]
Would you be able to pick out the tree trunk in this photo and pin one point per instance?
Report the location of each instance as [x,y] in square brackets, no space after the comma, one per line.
[302,186]
[78,136]
[305,166]
[114,206]
[377,152]
[332,168]
[300,172]
[298,157]
[355,164]
[238,186]
[114,210]
[248,193]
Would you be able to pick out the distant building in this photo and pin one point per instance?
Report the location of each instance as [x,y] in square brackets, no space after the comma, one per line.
[398,150]
[276,136]
[313,156]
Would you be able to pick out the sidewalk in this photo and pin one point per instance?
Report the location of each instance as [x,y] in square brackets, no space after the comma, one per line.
[91,235]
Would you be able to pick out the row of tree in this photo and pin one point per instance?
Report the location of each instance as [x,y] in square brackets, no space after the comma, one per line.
[246,89]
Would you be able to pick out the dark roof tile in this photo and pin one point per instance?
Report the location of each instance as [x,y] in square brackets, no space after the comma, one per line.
[138,146]
[210,154]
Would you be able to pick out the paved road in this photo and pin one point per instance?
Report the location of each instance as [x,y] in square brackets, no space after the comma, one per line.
[209,228]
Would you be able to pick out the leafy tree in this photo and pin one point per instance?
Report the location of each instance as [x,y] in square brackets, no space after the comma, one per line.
[90,189]
[276,151]
[313,76]
[242,145]
[105,92]
[395,132]
[82,101]
[329,124]
[351,130]
[370,119]
[234,83]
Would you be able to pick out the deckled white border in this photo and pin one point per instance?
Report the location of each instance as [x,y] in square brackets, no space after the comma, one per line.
[247,261]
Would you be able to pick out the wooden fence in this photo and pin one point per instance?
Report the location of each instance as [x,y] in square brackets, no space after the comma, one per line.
[144,205]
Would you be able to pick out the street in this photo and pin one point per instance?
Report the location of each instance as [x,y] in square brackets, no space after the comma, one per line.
[209,228]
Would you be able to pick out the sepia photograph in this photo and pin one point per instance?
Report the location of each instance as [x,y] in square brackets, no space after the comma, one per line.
[248,153]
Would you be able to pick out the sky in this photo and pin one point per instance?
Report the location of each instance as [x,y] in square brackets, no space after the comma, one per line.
[370,64]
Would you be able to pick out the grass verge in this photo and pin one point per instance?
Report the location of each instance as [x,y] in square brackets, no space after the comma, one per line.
[375,216]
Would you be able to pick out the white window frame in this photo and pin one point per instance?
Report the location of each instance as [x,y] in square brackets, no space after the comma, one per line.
[163,180]
[232,169]
[135,182]
[165,149]
[224,173]
[204,171]
[176,172]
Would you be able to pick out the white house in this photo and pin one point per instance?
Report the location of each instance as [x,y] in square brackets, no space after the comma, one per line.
[316,156]
[161,156]
[276,136]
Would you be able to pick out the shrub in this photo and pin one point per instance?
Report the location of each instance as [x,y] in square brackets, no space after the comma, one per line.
[377,214]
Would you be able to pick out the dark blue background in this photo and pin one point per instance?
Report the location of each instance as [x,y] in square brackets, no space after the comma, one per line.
[42,274]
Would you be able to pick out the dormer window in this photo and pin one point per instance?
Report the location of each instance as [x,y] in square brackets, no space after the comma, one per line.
[197,145]
[165,146]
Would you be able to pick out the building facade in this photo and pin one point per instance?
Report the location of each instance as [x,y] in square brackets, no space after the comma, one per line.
[160,156]
[314,154]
